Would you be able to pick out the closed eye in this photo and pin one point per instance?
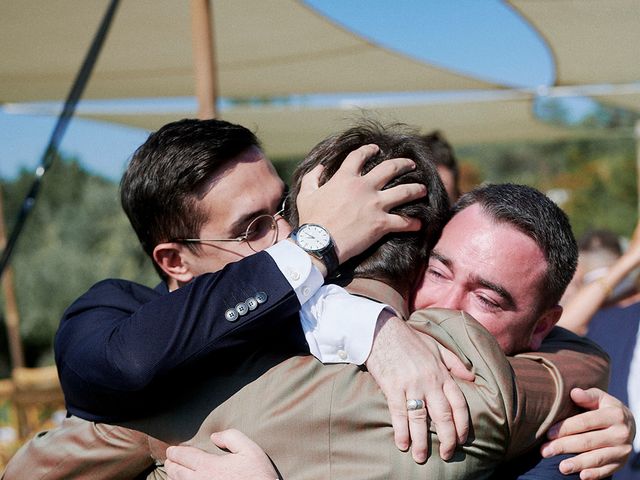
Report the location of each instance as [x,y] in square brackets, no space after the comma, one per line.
[487,302]
[435,273]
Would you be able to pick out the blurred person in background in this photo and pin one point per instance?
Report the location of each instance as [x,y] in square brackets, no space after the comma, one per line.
[614,327]
[598,251]
[446,163]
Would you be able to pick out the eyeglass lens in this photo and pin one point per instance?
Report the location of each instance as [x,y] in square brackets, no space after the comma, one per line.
[262,233]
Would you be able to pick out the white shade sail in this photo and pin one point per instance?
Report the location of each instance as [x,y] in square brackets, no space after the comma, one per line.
[283,47]
[263,48]
[592,41]
[293,131]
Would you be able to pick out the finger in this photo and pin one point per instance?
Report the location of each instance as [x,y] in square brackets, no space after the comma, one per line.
[595,461]
[419,432]
[455,365]
[233,440]
[589,399]
[442,420]
[583,442]
[386,171]
[310,181]
[189,457]
[354,162]
[398,223]
[459,410]
[401,194]
[176,471]
[598,473]
[581,423]
[399,421]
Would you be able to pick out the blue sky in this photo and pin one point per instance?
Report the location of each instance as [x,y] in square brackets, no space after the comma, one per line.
[481,38]
[484,38]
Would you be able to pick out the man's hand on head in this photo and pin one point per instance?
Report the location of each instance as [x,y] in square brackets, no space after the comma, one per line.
[602,436]
[353,207]
[245,460]
[409,365]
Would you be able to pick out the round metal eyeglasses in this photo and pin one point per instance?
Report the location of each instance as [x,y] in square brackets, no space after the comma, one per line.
[261,233]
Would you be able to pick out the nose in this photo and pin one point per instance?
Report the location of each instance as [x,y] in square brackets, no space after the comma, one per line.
[434,295]
[452,299]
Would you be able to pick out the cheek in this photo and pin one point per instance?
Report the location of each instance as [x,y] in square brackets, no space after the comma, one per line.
[501,331]
[222,257]
[488,323]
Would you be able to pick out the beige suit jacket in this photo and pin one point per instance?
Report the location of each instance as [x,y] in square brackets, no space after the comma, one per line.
[319,422]
[331,421]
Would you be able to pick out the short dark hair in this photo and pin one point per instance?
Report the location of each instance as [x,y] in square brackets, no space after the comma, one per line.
[443,155]
[171,171]
[538,217]
[396,258]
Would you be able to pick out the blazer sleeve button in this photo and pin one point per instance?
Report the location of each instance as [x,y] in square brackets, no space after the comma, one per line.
[261,297]
[252,303]
[242,309]
[231,315]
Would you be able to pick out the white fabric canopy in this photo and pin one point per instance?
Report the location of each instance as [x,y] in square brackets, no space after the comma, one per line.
[263,48]
[293,131]
[592,41]
[282,47]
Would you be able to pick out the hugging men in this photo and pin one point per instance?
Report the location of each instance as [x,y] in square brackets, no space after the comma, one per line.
[146,336]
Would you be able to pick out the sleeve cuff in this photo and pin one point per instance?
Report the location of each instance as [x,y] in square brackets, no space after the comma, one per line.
[339,327]
[297,268]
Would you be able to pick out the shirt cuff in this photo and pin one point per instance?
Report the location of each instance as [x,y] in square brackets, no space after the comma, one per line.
[297,267]
[338,326]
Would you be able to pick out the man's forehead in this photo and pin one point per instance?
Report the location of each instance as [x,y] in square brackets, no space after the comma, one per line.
[464,228]
[475,221]
[491,250]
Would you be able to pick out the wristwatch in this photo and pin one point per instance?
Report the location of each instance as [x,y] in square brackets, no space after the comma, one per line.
[315,240]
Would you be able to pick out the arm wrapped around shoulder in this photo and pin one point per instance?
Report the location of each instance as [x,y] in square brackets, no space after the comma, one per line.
[490,396]
[544,380]
[514,400]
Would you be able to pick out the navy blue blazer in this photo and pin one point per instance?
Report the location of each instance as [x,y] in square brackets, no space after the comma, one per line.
[616,330]
[531,466]
[119,343]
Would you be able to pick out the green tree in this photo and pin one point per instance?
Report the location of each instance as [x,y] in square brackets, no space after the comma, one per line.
[598,174]
[77,235]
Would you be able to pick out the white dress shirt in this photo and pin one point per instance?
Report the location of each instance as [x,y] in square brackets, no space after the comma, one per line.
[331,339]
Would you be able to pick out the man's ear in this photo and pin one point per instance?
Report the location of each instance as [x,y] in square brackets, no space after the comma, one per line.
[545,323]
[169,256]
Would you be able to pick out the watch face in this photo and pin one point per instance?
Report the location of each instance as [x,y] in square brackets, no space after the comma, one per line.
[313,237]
